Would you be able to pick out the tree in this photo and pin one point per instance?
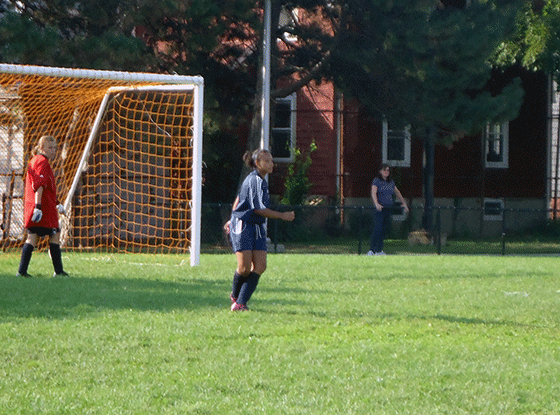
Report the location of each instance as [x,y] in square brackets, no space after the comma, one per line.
[428,67]
[96,34]
[405,60]
[535,44]
[209,38]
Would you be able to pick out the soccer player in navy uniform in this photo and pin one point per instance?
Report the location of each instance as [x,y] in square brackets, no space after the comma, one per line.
[41,207]
[247,227]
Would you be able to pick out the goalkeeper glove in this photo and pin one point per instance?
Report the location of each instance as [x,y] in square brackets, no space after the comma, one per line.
[37,214]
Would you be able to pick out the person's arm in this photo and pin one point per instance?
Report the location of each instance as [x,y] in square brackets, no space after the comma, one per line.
[401,199]
[235,203]
[38,196]
[37,210]
[376,203]
[228,223]
[273,214]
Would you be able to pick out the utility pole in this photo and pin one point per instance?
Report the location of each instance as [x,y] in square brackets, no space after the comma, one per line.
[265,103]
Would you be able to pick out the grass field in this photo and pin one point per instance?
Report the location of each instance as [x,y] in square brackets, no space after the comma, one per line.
[326,334]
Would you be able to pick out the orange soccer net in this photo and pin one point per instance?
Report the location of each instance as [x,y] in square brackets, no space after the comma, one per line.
[126,159]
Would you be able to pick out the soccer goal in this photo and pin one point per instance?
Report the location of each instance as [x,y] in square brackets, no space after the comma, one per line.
[129,164]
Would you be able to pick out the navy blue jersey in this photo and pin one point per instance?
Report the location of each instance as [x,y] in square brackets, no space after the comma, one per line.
[252,195]
[385,191]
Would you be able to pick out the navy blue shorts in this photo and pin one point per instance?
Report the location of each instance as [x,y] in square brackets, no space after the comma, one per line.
[246,236]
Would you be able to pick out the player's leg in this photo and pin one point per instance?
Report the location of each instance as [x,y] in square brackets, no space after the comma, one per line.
[241,242]
[377,234]
[56,254]
[26,253]
[244,265]
[384,228]
[249,287]
[251,264]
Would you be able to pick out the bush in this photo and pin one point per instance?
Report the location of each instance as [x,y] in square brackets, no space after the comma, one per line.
[297,184]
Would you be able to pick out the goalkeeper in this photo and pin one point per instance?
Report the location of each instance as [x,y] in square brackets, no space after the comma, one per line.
[41,207]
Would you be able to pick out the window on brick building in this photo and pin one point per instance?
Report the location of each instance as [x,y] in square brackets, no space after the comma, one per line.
[283,134]
[396,146]
[496,139]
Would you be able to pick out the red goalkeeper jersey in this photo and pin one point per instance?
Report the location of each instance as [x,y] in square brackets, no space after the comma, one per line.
[39,173]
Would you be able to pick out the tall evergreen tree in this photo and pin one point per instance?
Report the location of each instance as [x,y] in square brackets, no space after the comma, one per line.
[413,63]
[428,65]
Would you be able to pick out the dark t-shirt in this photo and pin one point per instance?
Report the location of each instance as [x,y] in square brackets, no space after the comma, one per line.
[252,195]
[385,191]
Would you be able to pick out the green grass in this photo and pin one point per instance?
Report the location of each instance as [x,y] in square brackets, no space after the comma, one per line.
[326,334]
[486,246]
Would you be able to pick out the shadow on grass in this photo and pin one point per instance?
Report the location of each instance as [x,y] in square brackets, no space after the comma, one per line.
[472,321]
[71,297]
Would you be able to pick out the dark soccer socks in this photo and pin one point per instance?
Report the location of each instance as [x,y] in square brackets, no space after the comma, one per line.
[236,285]
[26,253]
[248,288]
[56,257]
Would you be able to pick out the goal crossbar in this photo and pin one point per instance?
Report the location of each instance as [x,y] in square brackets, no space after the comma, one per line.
[99,74]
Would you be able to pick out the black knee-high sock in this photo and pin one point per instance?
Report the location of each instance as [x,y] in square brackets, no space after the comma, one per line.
[56,257]
[26,253]
[248,288]
[238,281]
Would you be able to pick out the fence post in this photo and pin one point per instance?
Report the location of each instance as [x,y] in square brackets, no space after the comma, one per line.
[503,231]
[438,227]
[360,230]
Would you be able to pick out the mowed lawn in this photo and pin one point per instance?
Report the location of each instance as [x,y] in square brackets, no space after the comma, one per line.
[326,334]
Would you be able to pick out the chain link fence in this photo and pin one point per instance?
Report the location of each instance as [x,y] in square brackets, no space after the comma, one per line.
[494,230]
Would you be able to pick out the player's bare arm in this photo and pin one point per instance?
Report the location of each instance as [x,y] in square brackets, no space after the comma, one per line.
[273,214]
[39,195]
[401,199]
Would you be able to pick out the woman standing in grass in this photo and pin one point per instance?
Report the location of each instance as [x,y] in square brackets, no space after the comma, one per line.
[247,227]
[382,190]
[41,206]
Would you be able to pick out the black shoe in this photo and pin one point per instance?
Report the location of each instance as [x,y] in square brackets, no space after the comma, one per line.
[26,275]
[62,274]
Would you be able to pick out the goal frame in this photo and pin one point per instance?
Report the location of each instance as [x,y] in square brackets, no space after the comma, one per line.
[167,83]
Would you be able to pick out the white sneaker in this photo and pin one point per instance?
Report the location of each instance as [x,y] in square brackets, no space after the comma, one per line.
[381,253]
[370,253]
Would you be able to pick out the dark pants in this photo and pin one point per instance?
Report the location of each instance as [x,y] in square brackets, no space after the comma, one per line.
[381,224]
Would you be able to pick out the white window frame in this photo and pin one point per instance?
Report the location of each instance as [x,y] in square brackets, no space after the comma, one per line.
[405,162]
[292,100]
[493,217]
[491,130]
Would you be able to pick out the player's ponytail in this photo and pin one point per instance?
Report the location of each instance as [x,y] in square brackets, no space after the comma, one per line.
[250,158]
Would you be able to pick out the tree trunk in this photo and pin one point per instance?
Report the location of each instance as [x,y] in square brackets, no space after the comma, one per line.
[428,218]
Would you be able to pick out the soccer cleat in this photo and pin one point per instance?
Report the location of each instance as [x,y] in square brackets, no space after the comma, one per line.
[370,253]
[62,274]
[26,275]
[239,307]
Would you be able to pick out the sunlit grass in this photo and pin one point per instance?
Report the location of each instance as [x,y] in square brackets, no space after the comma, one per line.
[326,334]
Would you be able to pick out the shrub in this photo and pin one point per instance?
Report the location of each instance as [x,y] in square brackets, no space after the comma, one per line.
[297,183]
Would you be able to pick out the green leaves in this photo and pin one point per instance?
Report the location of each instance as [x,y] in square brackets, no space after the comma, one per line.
[297,184]
[427,67]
